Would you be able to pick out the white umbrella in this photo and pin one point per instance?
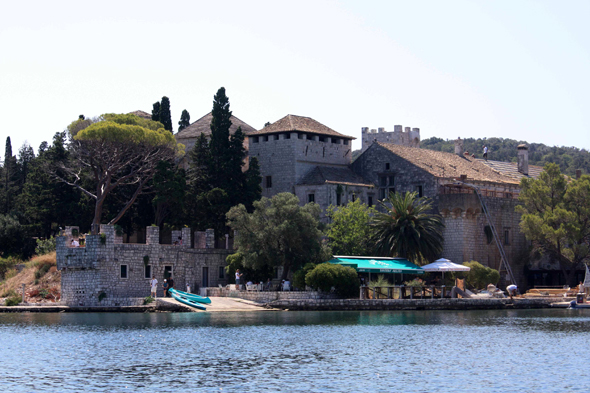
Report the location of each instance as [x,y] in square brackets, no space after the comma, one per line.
[444,265]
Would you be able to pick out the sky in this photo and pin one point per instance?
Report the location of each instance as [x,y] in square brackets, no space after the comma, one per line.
[510,69]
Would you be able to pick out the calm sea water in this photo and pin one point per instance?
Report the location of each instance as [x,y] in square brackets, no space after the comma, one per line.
[419,351]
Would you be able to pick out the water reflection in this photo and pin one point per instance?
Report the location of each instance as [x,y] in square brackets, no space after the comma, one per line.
[296,351]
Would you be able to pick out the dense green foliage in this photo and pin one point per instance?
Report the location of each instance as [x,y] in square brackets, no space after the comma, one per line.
[480,276]
[14,239]
[499,149]
[278,232]
[299,275]
[165,115]
[349,231]
[326,276]
[406,229]
[556,217]
[185,120]
[216,180]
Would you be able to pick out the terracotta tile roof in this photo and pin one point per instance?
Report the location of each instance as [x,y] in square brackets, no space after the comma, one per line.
[329,175]
[203,126]
[299,123]
[448,165]
[511,169]
[142,114]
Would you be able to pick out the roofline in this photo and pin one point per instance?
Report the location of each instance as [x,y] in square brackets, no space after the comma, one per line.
[261,132]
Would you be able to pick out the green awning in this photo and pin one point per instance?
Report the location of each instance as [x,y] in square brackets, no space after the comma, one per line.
[378,264]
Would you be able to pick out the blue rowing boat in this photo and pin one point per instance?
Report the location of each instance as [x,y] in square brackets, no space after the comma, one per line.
[182,298]
[197,298]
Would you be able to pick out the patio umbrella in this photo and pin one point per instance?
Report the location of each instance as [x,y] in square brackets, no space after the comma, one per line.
[444,265]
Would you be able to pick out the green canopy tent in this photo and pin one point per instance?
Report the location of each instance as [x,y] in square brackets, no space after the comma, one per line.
[378,265]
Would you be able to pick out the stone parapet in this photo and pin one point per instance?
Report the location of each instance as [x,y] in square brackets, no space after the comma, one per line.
[409,304]
[269,296]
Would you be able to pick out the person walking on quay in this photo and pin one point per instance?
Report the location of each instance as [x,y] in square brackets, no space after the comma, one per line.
[238,276]
[165,287]
[170,283]
[154,287]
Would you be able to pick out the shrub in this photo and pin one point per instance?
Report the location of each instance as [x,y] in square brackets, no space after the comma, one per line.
[7,264]
[480,276]
[326,275]
[44,293]
[299,275]
[148,300]
[9,293]
[45,246]
[13,301]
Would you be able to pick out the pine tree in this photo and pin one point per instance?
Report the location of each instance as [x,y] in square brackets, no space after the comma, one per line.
[156,111]
[185,120]
[165,117]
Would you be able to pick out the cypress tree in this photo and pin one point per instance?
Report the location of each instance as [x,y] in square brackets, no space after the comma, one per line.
[185,120]
[156,111]
[165,117]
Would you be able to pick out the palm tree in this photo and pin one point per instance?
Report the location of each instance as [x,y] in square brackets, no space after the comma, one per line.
[406,229]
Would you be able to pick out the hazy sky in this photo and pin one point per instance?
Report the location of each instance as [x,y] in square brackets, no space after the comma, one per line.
[510,69]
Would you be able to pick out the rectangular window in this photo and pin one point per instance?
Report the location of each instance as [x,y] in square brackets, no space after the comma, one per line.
[346,141]
[387,166]
[269,182]
[382,193]
[148,271]
[167,271]
[383,181]
[353,197]
[221,272]
[338,199]
[300,136]
[419,191]
[265,138]
[287,136]
[275,137]
[309,137]
[507,237]
[370,202]
[124,271]
[255,139]
[391,191]
[391,181]
[310,198]
[322,138]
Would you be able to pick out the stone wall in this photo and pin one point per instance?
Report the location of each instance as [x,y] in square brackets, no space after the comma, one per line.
[267,296]
[410,137]
[123,271]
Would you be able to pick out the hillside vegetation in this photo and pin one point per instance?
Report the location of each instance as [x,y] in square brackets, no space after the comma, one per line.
[41,278]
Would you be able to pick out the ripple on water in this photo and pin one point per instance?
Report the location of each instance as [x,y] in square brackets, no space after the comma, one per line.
[517,350]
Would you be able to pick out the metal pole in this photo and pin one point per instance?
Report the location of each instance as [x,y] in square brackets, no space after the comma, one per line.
[23,293]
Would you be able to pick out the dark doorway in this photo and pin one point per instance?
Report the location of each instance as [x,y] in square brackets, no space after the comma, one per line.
[205,282]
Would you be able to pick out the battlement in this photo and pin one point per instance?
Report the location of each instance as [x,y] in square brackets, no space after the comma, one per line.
[409,137]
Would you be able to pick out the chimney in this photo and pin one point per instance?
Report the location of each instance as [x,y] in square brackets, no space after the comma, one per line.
[523,159]
[459,147]
[578,173]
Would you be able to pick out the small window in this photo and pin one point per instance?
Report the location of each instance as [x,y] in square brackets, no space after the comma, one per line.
[370,200]
[265,138]
[322,138]
[391,181]
[383,181]
[353,197]
[148,271]
[287,136]
[255,139]
[275,137]
[346,141]
[300,136]
[310,198]
[391,190]
[269,182]
[387,166]
[124,271]
[419,191]
[507,237]
[382,193]
[309,137]
[334,140]
[221,272]
[338,199]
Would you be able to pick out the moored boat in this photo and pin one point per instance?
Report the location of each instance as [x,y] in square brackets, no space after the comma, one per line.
[180,296]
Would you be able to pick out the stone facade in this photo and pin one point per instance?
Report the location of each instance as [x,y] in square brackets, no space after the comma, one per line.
[410,137]
[120,273]
[464,235]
